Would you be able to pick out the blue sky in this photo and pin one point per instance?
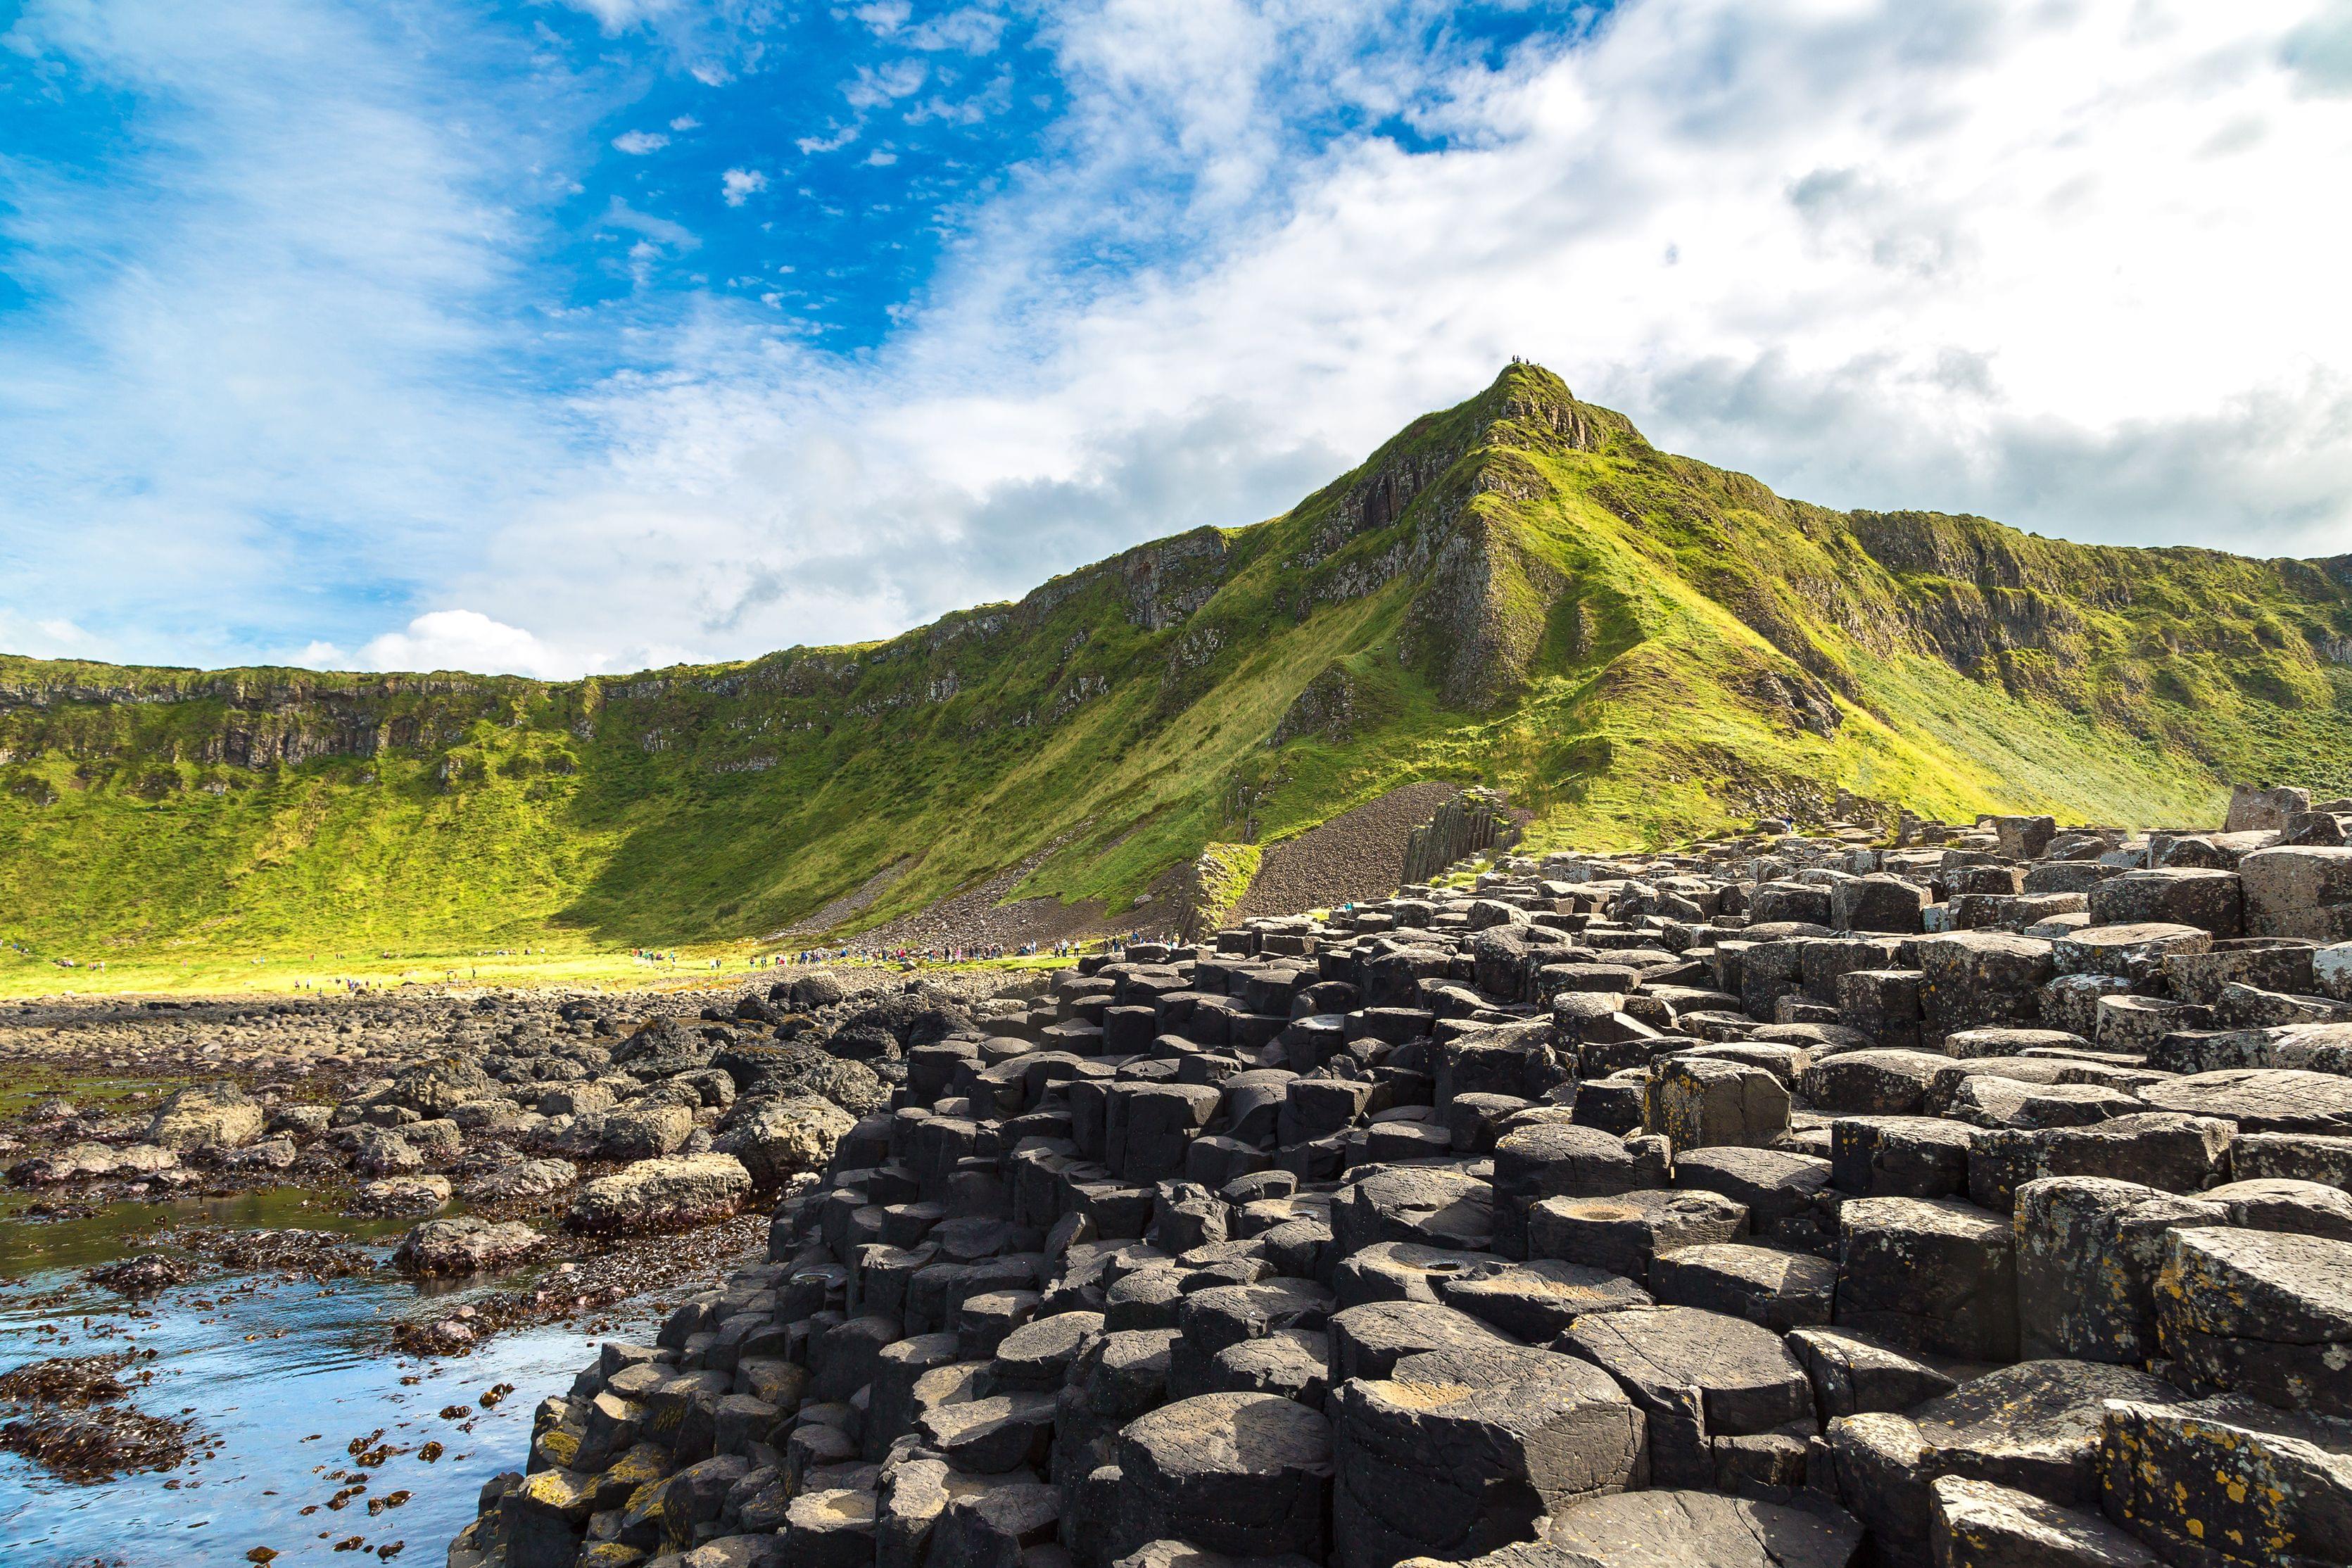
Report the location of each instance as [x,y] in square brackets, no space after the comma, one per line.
[567,336]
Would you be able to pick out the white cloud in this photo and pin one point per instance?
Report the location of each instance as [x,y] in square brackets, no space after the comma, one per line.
[2061,265]
[972,30]
[876,86]
[660,230]
[47,637]
[618,15]
[685,122]
[842,137]
[237,329]
[637,144]
[1919,257]
[880,158]
[740,186]
[467,639]
[319,655]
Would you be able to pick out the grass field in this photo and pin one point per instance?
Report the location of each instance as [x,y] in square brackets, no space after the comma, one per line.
[219,975]
[25,977]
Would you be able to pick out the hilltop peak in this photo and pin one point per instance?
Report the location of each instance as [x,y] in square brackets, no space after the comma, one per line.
[1526,377]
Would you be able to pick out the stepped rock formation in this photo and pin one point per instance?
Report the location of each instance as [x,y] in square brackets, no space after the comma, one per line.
[1521,591]
[1790,1202]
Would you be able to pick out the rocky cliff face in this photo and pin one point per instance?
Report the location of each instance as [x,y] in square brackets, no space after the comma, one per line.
[1521,588]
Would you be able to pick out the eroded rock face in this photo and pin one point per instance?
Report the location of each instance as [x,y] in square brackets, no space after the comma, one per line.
[1792,1202]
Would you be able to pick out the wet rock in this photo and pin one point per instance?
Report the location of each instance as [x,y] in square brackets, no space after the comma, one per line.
[402,1195]
[658,1193]
[90,1161]
[464,1246]
[143,1274]
[523,1179]
[96,1445]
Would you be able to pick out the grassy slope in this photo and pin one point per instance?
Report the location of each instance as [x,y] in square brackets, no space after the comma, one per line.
[1637,645]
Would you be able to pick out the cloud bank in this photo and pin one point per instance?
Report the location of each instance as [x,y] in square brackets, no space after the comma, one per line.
[2066,265]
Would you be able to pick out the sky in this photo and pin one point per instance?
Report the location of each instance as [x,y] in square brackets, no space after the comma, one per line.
[561,336]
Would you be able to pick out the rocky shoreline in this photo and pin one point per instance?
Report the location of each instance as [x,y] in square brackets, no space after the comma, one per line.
[584,1150]
[1977,1197]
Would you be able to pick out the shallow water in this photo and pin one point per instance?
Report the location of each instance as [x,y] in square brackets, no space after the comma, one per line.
[29,1084]
[29,1247]
[274,1379]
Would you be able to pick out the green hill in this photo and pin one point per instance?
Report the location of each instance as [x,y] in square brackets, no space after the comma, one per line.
[1520,589]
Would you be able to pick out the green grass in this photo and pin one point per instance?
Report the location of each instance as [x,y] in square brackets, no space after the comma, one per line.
[288,973]
[1639,648]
